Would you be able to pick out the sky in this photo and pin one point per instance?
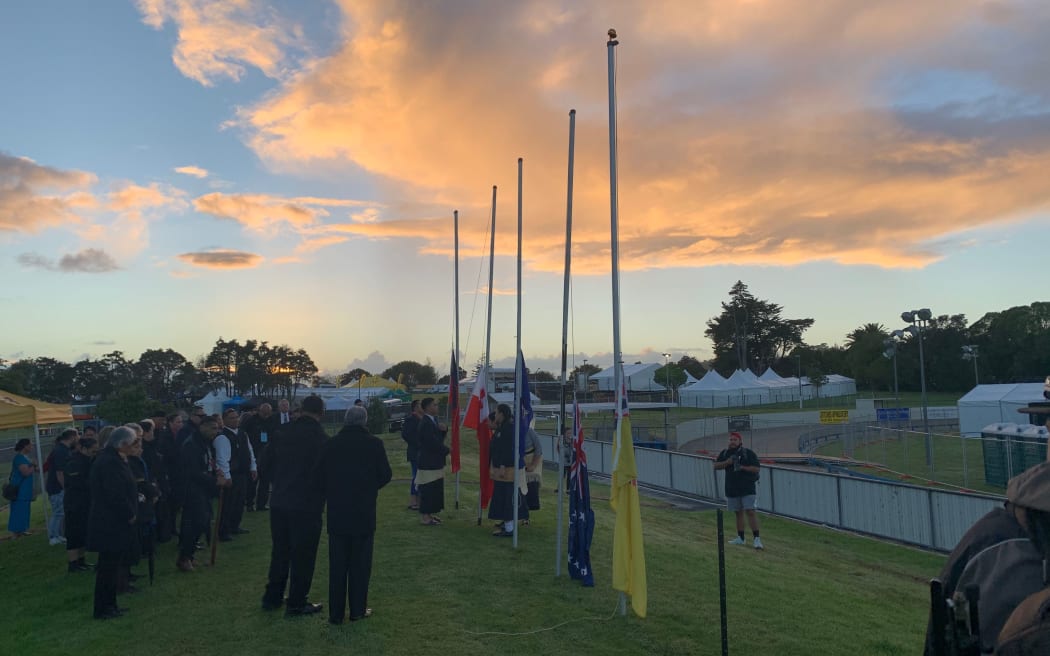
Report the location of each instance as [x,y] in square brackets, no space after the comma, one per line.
[175,171]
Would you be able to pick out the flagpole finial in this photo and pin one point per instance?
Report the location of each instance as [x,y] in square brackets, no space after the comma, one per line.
[612,34]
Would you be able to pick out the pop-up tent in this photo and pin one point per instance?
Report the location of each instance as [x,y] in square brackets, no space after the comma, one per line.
[21,412]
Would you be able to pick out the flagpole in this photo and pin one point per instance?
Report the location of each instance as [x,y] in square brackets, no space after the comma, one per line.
[488,323]
[455,241]
[564,345]
[614,211]
[517,378]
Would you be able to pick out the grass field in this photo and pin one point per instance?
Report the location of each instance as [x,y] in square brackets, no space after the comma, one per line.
[956,462]
[454,589]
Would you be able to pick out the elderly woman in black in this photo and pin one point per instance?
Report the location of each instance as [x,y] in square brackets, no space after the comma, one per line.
[111,520]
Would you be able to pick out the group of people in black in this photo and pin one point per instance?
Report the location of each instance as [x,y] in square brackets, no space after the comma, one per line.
[128,488]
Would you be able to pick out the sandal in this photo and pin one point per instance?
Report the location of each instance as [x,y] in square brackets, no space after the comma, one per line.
[436,520]
[430,522]
[502,534]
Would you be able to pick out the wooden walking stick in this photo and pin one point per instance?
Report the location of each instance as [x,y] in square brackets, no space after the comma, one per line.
[215,527]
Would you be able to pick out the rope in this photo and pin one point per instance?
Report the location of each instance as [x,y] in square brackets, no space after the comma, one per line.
[477,286]
[548,628]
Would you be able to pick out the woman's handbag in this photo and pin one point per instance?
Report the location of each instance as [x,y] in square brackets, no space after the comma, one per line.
[10,491]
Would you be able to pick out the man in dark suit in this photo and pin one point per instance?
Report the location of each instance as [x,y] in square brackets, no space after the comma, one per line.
[352,469]
[296,503]
[267,423]
[111,520]
[430,476]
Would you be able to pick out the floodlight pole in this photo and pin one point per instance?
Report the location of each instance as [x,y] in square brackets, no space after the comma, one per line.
[919,320]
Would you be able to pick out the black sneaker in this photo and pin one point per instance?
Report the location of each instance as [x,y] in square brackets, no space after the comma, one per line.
[306,609]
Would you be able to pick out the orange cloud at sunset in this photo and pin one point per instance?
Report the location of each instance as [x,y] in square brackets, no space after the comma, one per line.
[216,39]
[750,132]
[221,258]
[33,197]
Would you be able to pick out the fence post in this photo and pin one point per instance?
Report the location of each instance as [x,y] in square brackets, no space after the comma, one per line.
[966,470]
[838,496]
[933,524]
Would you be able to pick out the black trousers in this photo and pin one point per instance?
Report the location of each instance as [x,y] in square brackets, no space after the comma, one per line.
[233,505]
[349,569]
[106,581]
[195,515]
[295,534]
[262,491]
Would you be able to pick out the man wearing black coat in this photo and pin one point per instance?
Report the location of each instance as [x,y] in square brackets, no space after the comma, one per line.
[352,469]
[198,486]
[111,520]
[296,503]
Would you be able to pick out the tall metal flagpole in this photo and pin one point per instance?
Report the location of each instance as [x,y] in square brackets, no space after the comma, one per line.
[517,377]
[455,242]
[614,212]
[564,347]
[488,323]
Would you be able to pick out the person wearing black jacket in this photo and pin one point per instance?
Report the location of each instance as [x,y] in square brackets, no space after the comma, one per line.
[111,520]
[430,477]
[198,486]
[296,503]
[741,466]
[78,501]
[410,434]
[502,465]
[352,469]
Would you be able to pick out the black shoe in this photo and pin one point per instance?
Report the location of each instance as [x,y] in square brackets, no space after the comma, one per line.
[132,576]
[76,567]
[306,609]
[335,620]
[225,538]
[240,531]
[108,614]
[269,605]
[250,508]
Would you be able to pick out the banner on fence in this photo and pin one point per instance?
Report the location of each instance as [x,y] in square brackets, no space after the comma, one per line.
[740,422]
[893,414]
[834,416]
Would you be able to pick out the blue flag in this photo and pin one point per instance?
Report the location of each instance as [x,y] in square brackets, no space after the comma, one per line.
[525,413]
[581,516]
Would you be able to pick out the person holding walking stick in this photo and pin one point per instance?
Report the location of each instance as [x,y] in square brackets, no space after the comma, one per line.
[197,466]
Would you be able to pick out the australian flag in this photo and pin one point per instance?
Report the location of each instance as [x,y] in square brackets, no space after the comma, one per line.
[581,517]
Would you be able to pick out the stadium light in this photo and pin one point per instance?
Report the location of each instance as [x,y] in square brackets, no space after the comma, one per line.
[919,320]
[970,353]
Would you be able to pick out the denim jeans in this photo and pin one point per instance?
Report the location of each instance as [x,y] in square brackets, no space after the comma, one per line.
[58,515]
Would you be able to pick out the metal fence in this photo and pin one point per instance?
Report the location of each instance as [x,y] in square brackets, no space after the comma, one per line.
[935,519]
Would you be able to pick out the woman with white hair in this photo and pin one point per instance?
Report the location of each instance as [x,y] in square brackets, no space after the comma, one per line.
[111,520]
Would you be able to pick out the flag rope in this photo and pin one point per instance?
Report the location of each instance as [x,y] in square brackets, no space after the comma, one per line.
[547,628]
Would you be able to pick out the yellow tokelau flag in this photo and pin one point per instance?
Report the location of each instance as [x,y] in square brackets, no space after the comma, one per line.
[628,546]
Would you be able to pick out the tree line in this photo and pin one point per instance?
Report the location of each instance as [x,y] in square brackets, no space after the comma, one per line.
[1011,346]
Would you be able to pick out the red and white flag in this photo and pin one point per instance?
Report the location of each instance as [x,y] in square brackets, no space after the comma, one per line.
[477,417]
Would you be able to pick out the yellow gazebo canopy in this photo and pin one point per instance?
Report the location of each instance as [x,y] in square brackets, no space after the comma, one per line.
[375,381]
[21,412]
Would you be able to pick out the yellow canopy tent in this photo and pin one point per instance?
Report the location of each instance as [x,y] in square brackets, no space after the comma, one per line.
[375,381]
[21,412]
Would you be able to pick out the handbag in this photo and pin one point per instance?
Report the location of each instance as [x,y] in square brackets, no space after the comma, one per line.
[10,491]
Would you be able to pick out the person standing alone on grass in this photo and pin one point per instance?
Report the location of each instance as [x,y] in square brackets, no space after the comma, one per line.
[22,469]
[741,466]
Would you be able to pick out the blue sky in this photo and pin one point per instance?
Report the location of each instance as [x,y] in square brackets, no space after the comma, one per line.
[848,162]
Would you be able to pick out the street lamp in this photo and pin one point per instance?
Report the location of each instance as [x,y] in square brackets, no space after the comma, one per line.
[891,352]
[970,353]
[586,383]
[919,320]
[799,356]
[667,368]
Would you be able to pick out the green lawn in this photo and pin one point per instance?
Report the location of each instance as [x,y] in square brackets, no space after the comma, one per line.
[435,589]
[956,462]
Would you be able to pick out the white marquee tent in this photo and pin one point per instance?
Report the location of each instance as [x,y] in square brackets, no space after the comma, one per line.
[993,404]
[639,378]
